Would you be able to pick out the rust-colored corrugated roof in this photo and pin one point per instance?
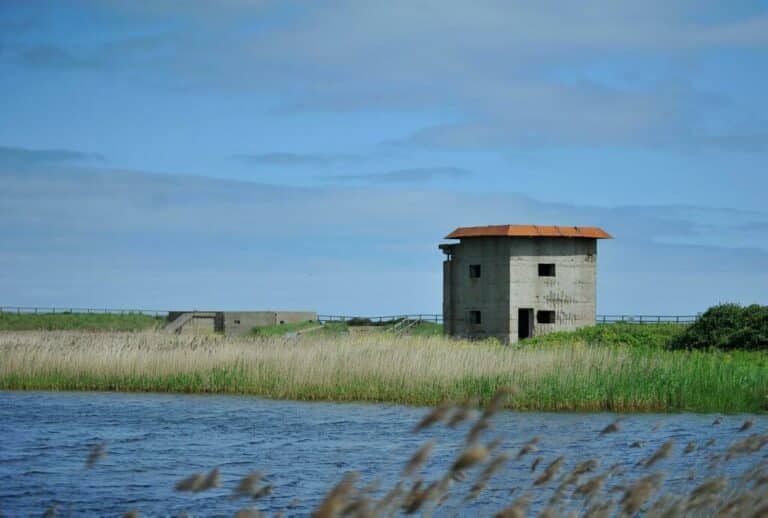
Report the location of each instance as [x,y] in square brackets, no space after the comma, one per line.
[529,231]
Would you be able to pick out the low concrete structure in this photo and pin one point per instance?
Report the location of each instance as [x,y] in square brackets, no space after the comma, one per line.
[232,323]
[517,281]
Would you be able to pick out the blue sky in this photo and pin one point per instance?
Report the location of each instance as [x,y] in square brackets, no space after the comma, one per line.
[262,154]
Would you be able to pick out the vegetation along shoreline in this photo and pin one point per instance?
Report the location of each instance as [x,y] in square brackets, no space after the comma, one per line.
[618,367]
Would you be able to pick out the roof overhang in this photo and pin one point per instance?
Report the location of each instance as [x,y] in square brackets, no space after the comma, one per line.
[529,231]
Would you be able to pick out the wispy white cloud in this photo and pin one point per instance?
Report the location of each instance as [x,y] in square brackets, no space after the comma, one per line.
[413,175]
[19,156]
[137,239]
[296,159]
[496,65]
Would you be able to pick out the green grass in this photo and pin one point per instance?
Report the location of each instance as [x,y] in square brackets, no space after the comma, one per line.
[573,376]
[332,329]
[78,322]
[426,329]
[633,335]
[282,329]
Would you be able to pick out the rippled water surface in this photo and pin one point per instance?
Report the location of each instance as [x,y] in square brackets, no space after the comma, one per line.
[304,448]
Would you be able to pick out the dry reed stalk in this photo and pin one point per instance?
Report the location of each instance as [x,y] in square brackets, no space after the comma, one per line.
[494,466]
[751,444]
[435,416]
[592,486]
[662,453]
[639,492]
[578,470]
[262,492]
[497,401]
[477,429]
[192,483]
[464,411]
[248,485]
[336,498]
[528,447]
[389,500]
[518,509]
[708,487]
[97,452]
[199,482]
[611,428]
[305,364]
[600,510]
[418,458]
[469,458]
[488,471]
[495,443]
[550,472]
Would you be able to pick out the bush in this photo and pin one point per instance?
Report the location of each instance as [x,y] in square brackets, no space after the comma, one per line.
[620,334]
[727,326]
[359,321]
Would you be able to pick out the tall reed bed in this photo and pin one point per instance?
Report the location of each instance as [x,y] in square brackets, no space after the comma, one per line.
[381,367]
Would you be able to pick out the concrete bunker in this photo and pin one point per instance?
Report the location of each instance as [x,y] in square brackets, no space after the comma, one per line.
[232,323]
[518,281]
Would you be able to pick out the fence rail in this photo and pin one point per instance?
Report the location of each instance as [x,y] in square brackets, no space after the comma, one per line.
[423,317]
[19,310]
[601,319]
[646,319]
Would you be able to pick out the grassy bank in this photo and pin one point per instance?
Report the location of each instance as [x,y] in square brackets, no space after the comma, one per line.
[78,321]
[656,336]
[330,329]
[282,329]
[383,367]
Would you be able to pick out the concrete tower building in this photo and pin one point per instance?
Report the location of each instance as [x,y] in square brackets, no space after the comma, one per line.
[517,281]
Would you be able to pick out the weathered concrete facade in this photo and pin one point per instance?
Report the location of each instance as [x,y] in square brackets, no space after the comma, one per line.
[232,323]
[517,286]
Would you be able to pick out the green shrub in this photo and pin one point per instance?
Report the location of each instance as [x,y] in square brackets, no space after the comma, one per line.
[633,335]
[727,326]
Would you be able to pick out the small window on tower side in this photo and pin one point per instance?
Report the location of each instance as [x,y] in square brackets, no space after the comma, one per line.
[546,270]
[474,271]
[475,318]
[545,317]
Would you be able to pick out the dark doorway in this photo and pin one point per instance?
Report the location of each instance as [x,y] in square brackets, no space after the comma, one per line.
[524,323]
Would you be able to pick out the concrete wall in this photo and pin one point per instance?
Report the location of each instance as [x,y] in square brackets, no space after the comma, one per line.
[510,281]
[200,323]
[241,322]
[488,294]
[571,294]
[232,323]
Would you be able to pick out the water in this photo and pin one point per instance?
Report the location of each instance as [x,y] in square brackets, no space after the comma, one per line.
[155,440]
